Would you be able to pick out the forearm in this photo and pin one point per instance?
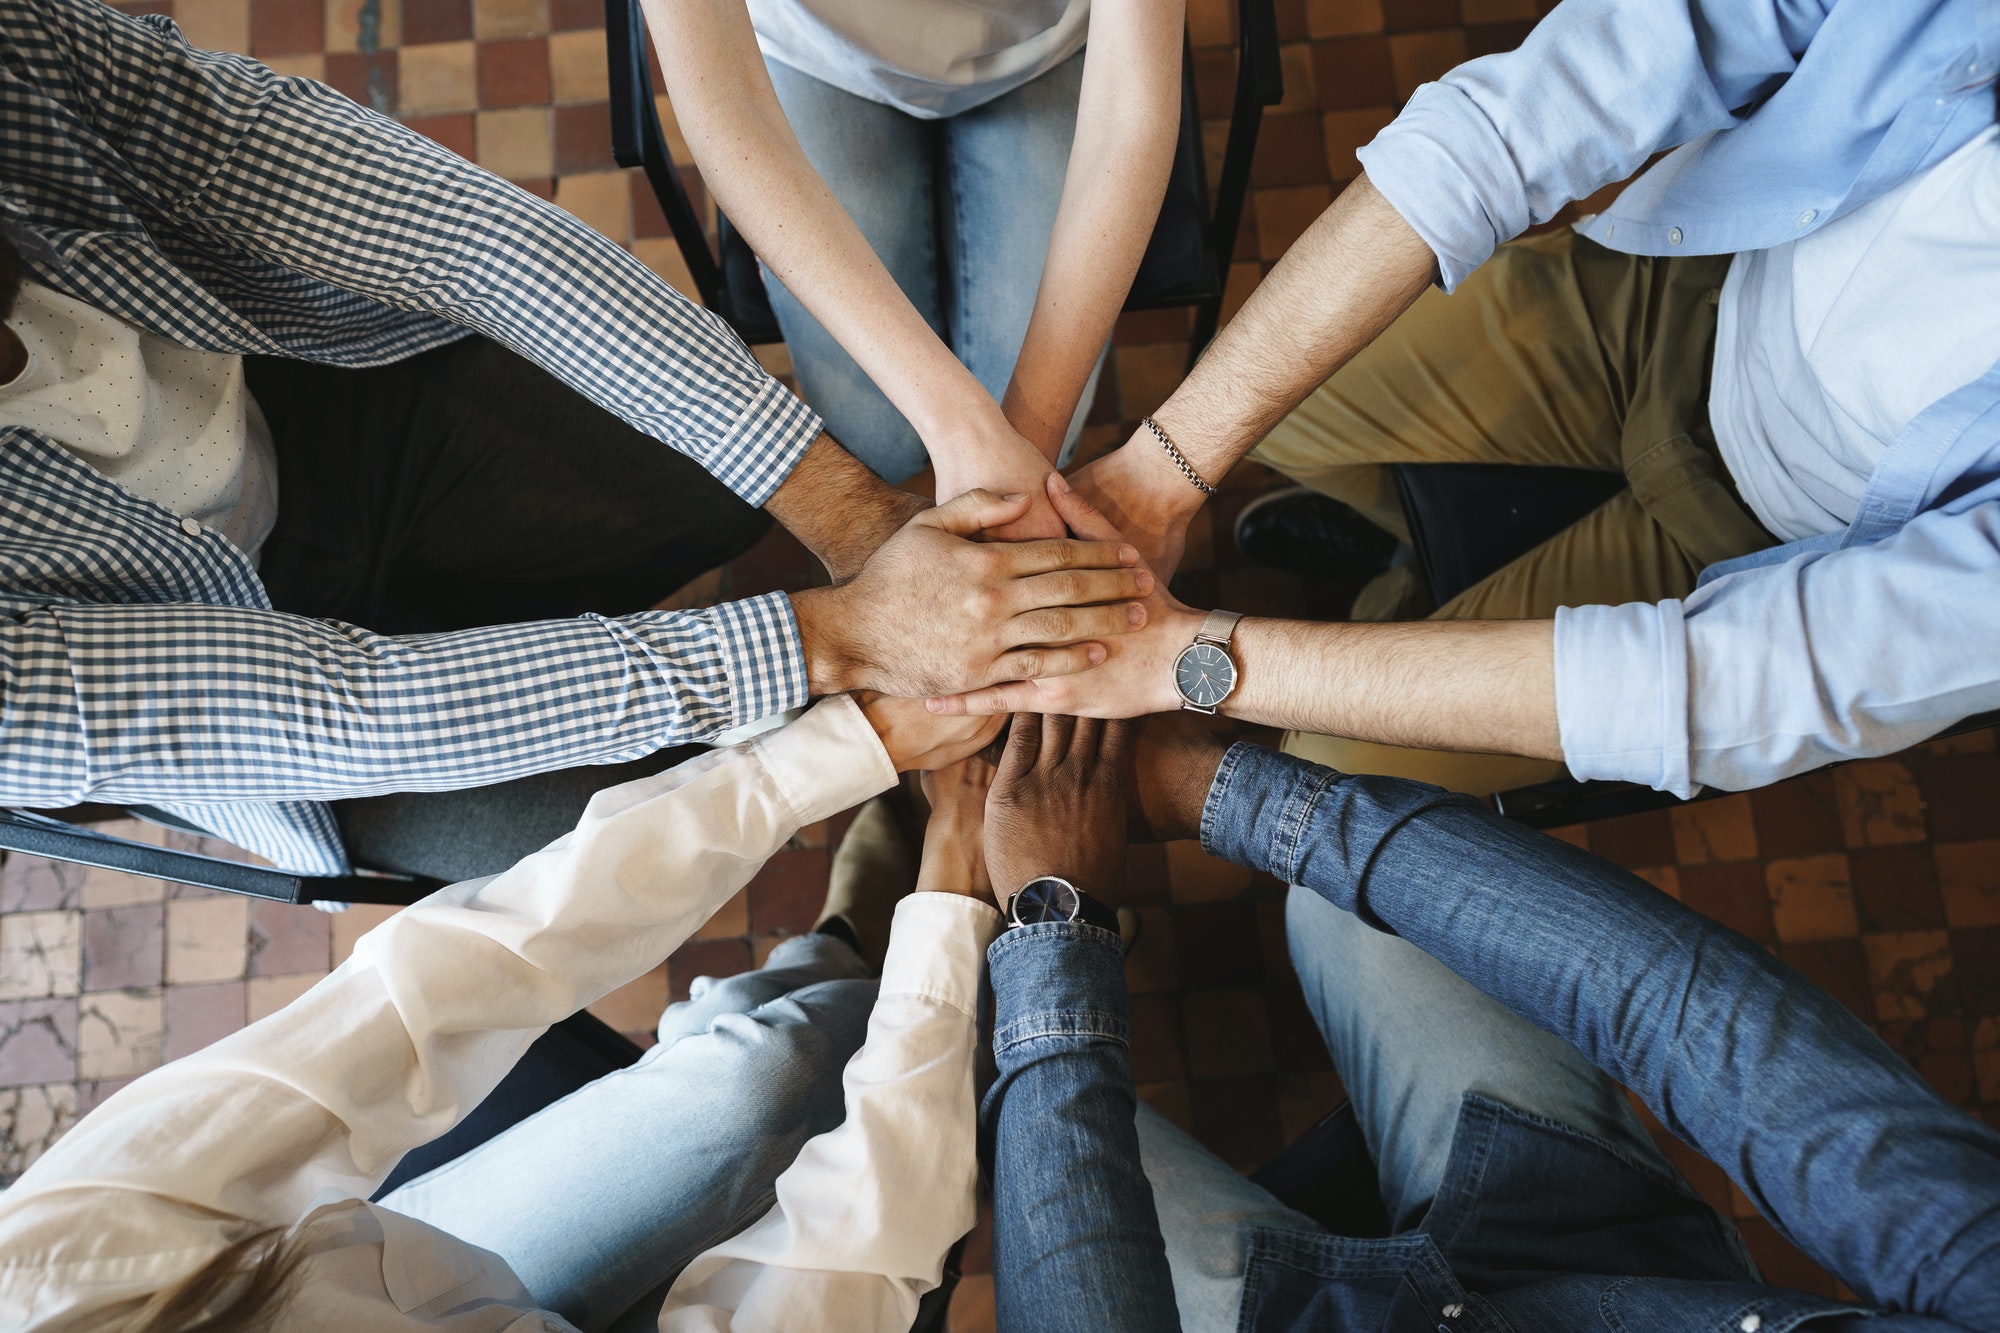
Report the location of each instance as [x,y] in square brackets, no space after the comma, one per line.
[1127,118]
[1076,1238]
[839,509]
[482,253]
[248,705]
[1834,1138]
[1345,280]
[752,162]
[1485,686]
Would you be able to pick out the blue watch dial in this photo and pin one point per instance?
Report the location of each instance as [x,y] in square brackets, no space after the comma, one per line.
[1204,674]
[1046,899]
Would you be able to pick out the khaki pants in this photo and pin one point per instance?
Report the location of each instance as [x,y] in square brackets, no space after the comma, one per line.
[1555,353]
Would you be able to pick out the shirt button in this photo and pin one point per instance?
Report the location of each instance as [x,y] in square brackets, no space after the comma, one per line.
[190,527]
[1750,1323]
[1805,219]
[1673,235]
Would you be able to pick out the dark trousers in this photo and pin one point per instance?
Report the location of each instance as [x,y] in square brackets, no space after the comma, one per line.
[466,487]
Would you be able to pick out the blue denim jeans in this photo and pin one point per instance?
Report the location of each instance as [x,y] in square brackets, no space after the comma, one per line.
[600,1200]
[959,210]
[1410,1039]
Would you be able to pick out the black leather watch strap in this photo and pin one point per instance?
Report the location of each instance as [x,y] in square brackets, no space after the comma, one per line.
[1095,912]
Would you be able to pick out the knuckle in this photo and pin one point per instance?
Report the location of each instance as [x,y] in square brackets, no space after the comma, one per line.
[1026,666]
[1052,625]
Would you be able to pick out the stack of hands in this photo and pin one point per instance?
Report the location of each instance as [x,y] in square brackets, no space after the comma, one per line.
[1062,797]
[943,611]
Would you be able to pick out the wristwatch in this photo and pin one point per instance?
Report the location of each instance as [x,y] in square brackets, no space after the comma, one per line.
[1052,898]
[1205,673]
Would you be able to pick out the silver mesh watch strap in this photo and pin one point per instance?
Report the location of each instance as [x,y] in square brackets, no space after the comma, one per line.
[1218,628]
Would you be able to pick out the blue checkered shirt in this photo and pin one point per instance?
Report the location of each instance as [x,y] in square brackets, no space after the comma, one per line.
[202,198]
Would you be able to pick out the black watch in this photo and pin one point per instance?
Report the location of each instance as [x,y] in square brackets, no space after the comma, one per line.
[1052,898]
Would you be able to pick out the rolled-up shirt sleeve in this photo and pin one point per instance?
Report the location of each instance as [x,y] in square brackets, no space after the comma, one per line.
[1503,142]
[1773,671]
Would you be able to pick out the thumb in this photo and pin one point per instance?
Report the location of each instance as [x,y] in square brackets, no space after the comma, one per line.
[1079,514]
[974,512]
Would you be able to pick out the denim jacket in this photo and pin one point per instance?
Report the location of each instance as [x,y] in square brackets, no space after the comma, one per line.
[1076,1239]
[1838,1142]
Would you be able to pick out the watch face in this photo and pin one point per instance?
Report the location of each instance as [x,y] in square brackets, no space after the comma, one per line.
[1046,899]
[1204,674]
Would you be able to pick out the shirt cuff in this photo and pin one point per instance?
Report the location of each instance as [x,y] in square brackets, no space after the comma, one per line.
[1445,168]
[1622,694]
[766,659]
[936,944]
[766,443]
[828,761]
[1057,979]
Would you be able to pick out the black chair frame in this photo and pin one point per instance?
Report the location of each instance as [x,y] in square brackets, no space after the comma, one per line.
[726,278]
[39,834]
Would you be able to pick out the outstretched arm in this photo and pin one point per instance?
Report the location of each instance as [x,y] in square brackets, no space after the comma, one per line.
[1343,282]
[1127,121]
[1073,1206]
[414,1030]
[1442,685]
[1835,1139]
[750,158]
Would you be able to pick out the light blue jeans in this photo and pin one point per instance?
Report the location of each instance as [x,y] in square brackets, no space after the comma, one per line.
[1409,1038]
[959,210]
[599,1201]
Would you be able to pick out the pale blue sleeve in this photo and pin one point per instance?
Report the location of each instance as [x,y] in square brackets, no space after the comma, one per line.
[1503,142]
[1774,671]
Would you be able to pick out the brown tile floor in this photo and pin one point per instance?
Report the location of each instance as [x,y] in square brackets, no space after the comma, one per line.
[1881,880]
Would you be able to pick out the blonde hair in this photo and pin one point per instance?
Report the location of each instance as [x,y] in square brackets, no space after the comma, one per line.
[240,1290]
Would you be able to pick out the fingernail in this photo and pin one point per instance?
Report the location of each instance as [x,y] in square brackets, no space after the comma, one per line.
[1059,481]
[1128,555]
[1095,653]
[1145,582]
[934,705]
[1135,613]
[1016,496]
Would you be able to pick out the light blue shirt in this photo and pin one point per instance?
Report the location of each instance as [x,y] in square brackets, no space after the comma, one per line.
[1784,116]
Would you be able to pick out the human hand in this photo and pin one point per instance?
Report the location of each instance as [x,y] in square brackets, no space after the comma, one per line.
[998,458]
[954,842]
[920,740]
[1140,492]
[935,612]
[1058,804]
[1136,675]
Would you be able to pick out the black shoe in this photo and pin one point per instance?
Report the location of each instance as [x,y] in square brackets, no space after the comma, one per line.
[1303,532]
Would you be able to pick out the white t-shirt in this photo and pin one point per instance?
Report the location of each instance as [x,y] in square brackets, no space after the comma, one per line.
[171,424]
[1826,348]
[930,58]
